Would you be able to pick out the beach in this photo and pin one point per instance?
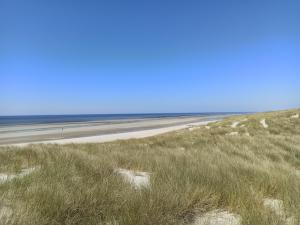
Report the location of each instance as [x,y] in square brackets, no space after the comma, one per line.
[97,131]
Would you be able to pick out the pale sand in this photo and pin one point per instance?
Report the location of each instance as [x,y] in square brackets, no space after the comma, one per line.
[295,116]
[277,207]
[117,136]
[235,124]
[232,134]
[7,177]
[263,123]
[137,179]
[218,217]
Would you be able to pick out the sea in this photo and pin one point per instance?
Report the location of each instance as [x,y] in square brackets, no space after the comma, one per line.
[48,119]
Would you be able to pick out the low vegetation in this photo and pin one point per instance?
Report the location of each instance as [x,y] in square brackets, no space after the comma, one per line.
[192,172]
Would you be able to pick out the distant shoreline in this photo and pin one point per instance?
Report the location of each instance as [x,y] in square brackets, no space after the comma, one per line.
[97,131]
[80,118]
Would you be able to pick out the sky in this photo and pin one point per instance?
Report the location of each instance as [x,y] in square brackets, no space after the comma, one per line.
[136,56]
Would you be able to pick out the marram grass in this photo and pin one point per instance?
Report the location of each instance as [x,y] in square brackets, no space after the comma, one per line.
[192,172]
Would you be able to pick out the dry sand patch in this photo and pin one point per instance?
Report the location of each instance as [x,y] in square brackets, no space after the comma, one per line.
[7,177]
[235,124]
[296,116]
[137,179]
[218,217]
[232,134]
[263,123]
[277,207]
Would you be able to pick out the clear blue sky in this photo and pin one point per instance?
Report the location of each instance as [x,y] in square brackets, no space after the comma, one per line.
[69,57]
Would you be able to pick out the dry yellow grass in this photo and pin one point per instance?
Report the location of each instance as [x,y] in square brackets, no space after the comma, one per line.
[191,173]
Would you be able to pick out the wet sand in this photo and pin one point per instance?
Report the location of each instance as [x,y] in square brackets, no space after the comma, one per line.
[97,131]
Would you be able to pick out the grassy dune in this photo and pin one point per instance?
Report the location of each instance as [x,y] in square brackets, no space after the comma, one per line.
[192,172]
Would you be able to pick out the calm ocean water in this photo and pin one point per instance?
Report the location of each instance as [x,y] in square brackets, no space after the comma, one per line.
[44,119]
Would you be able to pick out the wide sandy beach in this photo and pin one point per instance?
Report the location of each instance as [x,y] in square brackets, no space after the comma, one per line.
[97,131]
